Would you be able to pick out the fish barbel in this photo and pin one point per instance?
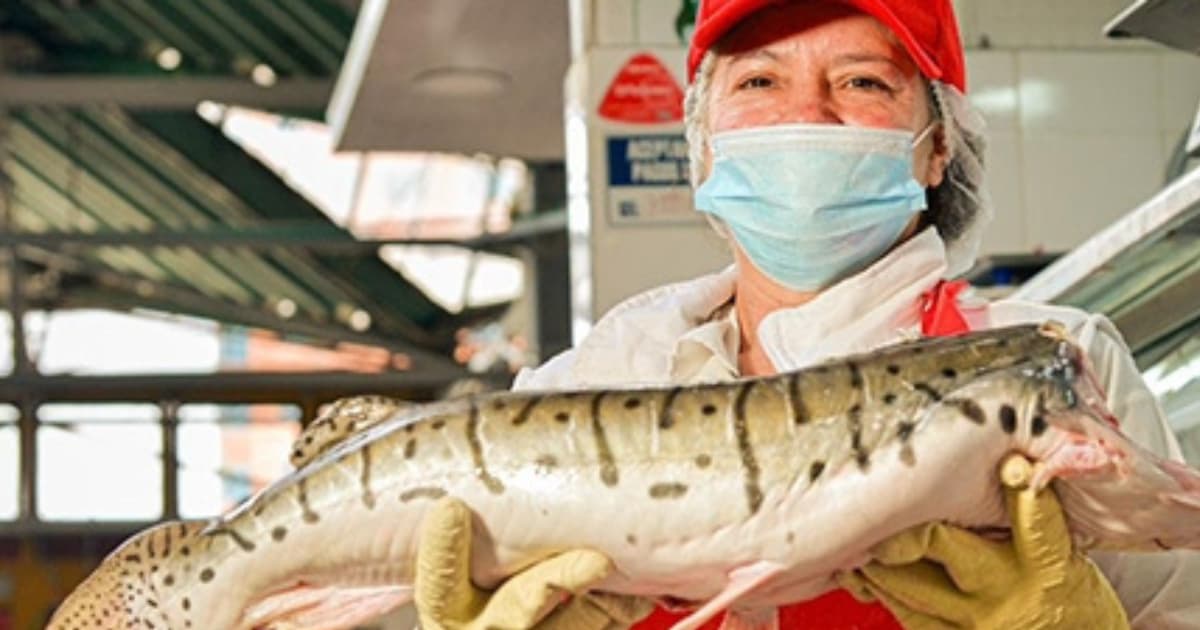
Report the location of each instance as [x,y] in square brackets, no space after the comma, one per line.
[687,489]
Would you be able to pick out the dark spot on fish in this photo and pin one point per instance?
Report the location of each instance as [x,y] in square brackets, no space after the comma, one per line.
[526,410]
[889,398]
[665,419]
[409,428]
[791,537]
[311,517]
[471,428]
[741,429]
[410,448]
[671,490]
[308,439]
[133,557]
[1038,427]
[169,580]
[970,409]
[861,456]
[796,399]
[631,539]
[237,537]
[856,379]
[206,575]
[893,369]
[562,417]
[949,373]
[279,533]
[608,465]
[498,405]
[1008,419]
[932,393]
[424,492]
[815,470]
[546,461]
[438,425]
[633,403]
[1161,544]
[703,460]
[904,430]
[708,409]
[185,551]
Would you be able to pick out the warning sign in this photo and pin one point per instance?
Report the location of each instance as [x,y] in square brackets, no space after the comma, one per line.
[644,92]
[648,178]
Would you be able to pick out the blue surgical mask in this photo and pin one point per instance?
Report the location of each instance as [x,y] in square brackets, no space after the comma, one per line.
[812,204]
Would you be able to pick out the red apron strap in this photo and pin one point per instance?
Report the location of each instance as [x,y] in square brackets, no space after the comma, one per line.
[940,314]
[836,610]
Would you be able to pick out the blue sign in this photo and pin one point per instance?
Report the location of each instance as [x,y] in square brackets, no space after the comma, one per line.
[660,160]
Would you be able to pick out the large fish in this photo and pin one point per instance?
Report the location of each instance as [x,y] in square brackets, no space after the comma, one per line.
[754,492]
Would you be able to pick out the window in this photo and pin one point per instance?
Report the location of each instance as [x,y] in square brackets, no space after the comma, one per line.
[229,452]
[10,462]
[99,462]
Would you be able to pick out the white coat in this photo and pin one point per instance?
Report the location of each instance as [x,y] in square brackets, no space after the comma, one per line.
[685,333]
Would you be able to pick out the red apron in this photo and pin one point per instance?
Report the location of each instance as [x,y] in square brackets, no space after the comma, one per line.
[838,610]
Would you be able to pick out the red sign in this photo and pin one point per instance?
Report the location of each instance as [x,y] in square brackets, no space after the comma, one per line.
[644,92]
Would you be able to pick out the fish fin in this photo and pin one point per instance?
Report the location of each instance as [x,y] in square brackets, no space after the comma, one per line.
[342,420]
[751,619]
[305,607]
[1187,494]
[742,580]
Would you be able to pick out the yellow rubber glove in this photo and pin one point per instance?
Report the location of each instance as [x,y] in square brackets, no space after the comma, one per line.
[938,577]
[536,597]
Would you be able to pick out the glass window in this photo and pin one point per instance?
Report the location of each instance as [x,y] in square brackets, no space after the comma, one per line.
[229,452]
[10,462]
[99,462]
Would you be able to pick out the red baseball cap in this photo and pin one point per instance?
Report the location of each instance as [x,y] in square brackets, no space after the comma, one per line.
[927,28]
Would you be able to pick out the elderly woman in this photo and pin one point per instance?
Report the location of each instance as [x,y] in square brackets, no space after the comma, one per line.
[833,146]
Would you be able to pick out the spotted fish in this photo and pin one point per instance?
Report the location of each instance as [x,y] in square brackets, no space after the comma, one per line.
[747,494]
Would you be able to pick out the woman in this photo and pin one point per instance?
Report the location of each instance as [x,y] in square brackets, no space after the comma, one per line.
[832,145]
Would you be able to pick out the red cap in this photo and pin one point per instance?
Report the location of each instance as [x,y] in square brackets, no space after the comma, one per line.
[927,28]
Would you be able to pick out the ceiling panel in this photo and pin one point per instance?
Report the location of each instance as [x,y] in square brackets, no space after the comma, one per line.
[455,75]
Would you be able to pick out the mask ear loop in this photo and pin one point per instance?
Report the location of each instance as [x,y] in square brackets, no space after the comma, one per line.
[925,133]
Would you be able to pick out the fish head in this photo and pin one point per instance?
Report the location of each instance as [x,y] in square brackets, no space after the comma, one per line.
[140,585]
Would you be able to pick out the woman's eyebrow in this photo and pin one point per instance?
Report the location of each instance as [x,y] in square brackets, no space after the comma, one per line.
[849,58]
[752,54]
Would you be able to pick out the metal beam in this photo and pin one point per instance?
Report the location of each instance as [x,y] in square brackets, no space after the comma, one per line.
[321,237]
[231,387]
[161,92]
[116,290]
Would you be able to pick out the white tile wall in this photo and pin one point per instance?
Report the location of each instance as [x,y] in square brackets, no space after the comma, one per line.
[655,21]
[1076,184]
[1180,78]
[1093,92]
[614,22]
[1007,233]
[1040,23]
[992,87]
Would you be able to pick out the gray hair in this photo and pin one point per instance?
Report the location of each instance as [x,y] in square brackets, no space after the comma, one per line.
[959,208]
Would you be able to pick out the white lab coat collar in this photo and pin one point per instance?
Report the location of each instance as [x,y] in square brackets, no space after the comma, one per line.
[879,305]
[682,333]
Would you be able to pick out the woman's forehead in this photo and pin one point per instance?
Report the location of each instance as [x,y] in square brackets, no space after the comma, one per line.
[827,25]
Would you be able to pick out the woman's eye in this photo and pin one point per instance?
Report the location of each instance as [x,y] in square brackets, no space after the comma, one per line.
[867,83]
[755,83]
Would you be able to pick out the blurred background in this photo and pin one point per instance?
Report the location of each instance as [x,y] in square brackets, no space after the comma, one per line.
[217,216]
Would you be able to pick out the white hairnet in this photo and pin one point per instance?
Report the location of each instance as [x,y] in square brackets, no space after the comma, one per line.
[960,207]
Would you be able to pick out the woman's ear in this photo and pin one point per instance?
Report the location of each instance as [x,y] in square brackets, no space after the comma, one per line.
[939,157]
